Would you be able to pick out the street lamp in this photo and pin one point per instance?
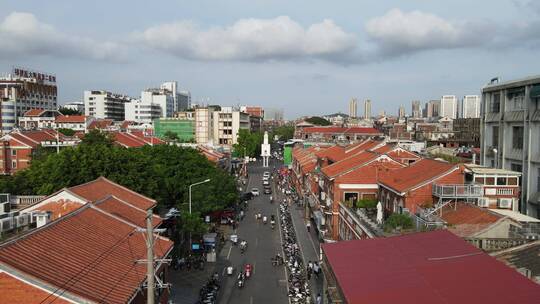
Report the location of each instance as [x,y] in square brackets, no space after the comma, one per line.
[204,181]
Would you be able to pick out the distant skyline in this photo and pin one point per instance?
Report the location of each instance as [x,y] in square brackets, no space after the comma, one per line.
[306,57]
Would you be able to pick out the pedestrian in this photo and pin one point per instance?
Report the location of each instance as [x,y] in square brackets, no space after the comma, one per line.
[308,274]
[316,269]
[310,267]
[318,300]
[308,225]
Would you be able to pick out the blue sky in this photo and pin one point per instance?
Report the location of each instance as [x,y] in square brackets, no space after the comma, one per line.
[307,57]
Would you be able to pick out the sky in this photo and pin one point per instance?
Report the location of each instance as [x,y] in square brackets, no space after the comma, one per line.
[307,57]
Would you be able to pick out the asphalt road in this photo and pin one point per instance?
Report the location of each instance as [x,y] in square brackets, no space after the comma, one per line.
[268,284]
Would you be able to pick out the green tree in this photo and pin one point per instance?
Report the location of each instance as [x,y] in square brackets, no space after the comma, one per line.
[97,137]
[248,143]
[66,132]
[170,135]
[284,133]
[319,121]
[68,111]
[398,220]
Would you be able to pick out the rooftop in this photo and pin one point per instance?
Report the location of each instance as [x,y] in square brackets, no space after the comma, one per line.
[416,174]
[102,188]
[466,220]
[427,267]
[89,253]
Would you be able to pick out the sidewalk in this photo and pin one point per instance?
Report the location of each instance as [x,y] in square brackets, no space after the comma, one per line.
[187,283]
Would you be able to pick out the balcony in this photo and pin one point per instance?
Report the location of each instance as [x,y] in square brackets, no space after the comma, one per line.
[458,191]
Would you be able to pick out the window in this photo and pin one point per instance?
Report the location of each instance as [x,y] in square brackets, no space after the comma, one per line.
[350,197]
[512,181]
[14,152]
[14,164]
[479,180]
[490,181]
[517,137]
[515,98]
[495,103]
[495,136]
[501,181]
[516,167]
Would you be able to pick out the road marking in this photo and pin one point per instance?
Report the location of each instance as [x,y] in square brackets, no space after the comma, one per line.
[251,300]
[229,254]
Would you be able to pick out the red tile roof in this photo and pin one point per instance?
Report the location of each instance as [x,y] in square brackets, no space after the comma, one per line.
[467,220]
[59,208]
[149,139]
[101,188]
[126,211]
[125,140]
[89,253]
[369,174]
[424,268]
[71,119]
[416,174]
[100,124]
[349,163]
[353,130]
[17,291]
[401,154]
[34,112]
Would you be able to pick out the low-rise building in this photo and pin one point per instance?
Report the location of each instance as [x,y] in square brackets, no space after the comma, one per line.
[38,119]
[73,122]
[183,128]
[227,123]
[333,134]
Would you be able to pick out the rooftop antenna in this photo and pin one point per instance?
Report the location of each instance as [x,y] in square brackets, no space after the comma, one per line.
[494,80]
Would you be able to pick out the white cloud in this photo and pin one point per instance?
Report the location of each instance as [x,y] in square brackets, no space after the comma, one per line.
[250,40]
[399,32]
[22,34]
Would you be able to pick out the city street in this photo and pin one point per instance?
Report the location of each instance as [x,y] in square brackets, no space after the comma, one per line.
[268,283]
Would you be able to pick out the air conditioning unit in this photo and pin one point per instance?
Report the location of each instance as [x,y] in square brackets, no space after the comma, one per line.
[483,202]
[505,203]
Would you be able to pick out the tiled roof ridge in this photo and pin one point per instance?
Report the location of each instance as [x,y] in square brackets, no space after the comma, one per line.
[100,201]
[425,181]
[101,177]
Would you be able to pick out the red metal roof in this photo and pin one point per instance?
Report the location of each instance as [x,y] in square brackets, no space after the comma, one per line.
[89,253]
[100,124]
[34,112]
[428,267]
[102,188]
[467,220]
[416,174]
[369,174]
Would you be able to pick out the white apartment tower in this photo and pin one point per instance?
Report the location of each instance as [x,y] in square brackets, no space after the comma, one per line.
[142,111]
[416,111]
[448,106]
[367,109]
[470,106]
[227,123]
[105,105]
[181,99]
[353,108]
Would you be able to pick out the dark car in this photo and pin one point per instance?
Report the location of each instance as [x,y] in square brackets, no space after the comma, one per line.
[246,196]
[267,191]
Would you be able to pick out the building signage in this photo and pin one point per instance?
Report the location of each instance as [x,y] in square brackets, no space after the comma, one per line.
[36,75]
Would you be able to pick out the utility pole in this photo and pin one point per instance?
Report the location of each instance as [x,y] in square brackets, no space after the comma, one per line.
[149,258]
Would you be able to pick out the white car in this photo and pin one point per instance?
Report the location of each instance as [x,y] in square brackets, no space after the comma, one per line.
[265,178]
[266,173]
[266,182]
[255,192]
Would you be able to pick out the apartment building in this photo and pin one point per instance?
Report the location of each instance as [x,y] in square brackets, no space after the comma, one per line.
[353,105]
[432,108]
[204,122]
[226,125]
[105,105]
[470,107]
[448,107]
[510,134]
[142,111]
[416,111]
[181,99]
[24,90]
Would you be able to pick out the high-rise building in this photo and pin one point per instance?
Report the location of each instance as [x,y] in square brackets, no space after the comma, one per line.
[181,99]
[470,106]
[449,106]
[353,108]
[23,90]
[273,114]
[510,137]
[162,97]
[401,112]
[432,108]
[416,111]
[105,105]
[367,109]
